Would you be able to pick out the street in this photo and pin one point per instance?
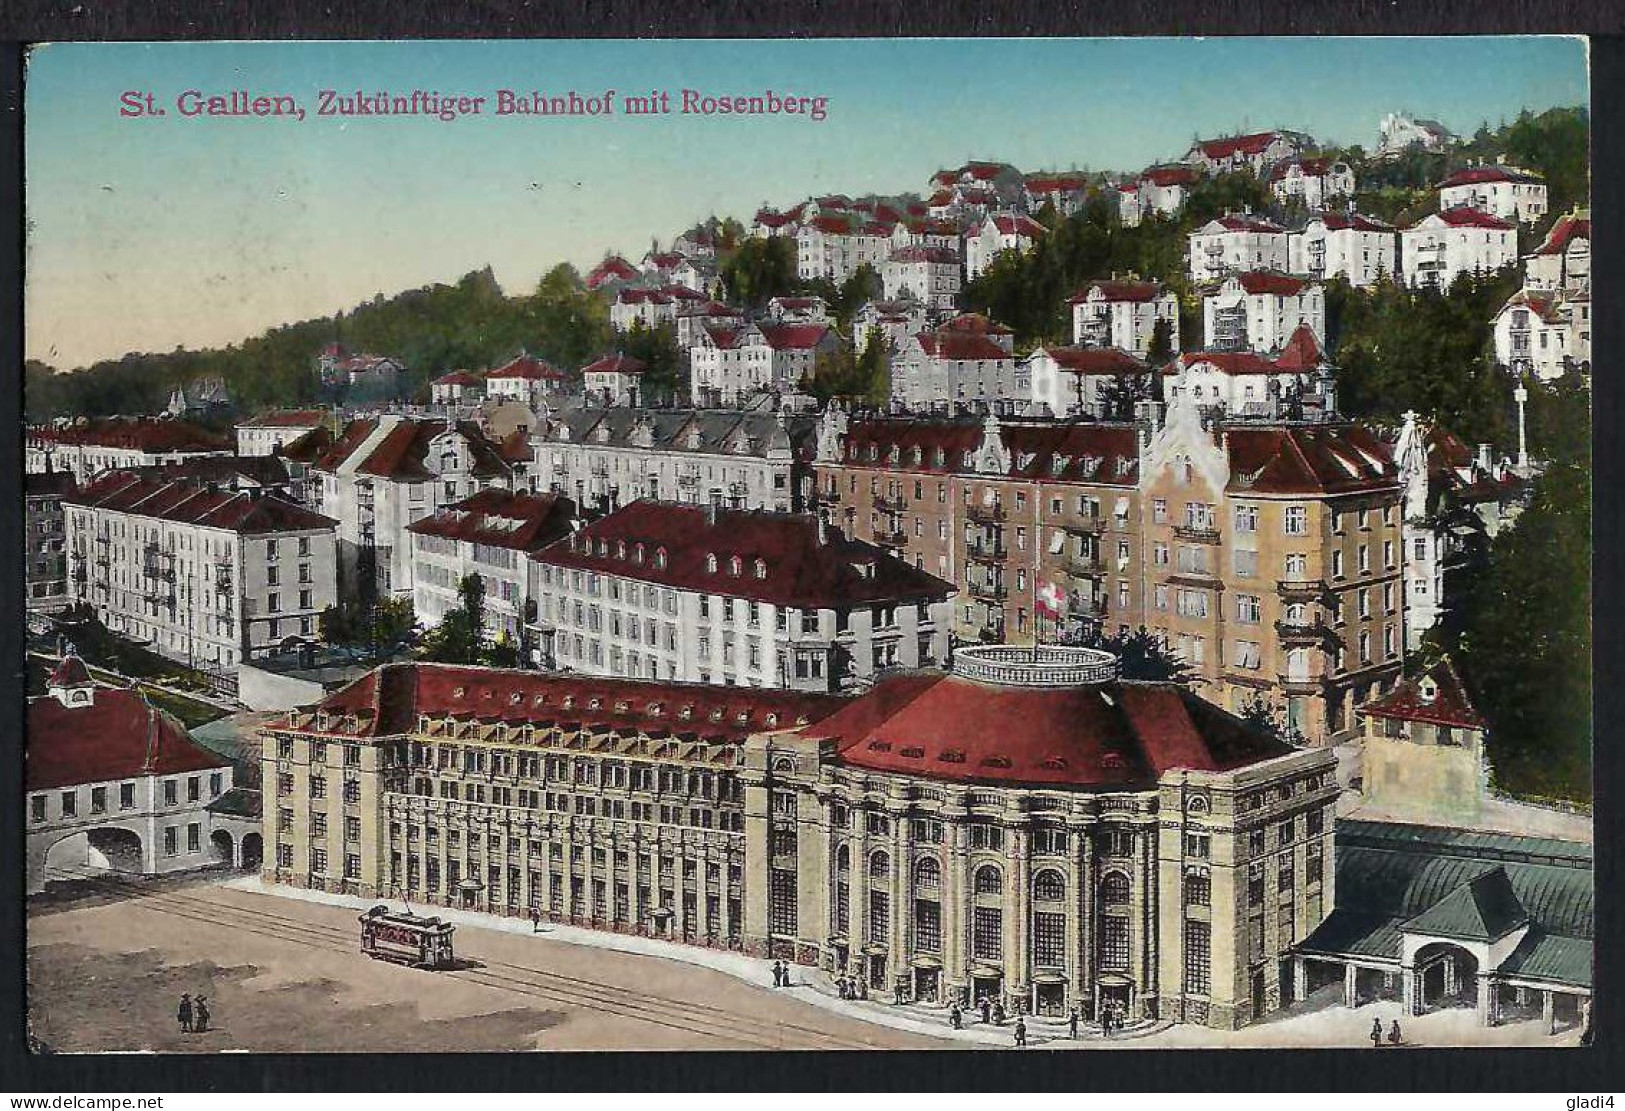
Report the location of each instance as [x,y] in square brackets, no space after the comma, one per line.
[106,973]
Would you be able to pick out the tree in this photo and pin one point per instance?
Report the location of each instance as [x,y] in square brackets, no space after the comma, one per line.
[1162,342]
[460,636]
[1266,718]
[1142,656]
[760,270]
[1526,642]
[664,374]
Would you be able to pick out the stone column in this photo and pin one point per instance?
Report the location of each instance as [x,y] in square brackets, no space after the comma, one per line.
[1548,1011]
[1487,1011]
[1351,990]
[1300,979]
[902,909]
[1451,983]
[1018,878]
[1082,901]
[1411,986]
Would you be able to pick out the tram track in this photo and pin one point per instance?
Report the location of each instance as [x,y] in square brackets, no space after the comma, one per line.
[556,987]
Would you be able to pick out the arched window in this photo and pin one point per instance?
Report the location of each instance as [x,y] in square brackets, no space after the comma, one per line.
[761,569]
[879,867]
[989,880]
[735,566]
[1049,886]
[660,558]
[1114,888]
[843,858]
[783,765]
[927,876]
[710,563]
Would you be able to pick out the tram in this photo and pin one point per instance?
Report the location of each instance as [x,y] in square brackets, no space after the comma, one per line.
[406,938]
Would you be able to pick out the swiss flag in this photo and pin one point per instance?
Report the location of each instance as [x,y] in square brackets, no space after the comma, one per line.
[1051,598]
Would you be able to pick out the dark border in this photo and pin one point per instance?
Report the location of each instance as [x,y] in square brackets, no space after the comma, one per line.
[1577,1071]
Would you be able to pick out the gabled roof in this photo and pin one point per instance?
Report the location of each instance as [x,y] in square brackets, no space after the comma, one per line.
[1115,289]
[118,736]
[70,671]
[188,501]
[1463,216]
[1302,352]
[1094,360]
[944,344]
[1320,459]
[286,418]
[135,434]
[402,452]
[1226,362]
[615,364]
[1239,222]
[1485,908]
[391,699]
[459,378]
[1449,705]
[1488,175]
[1260,282]
[501,519]
[1109,736]
[975,323]
[1344,221]
[799,566]
[1256,143]
[1565,231]
[613,268]
[1307,167]
[1096,452]
[1010,223]
[527,367]
[794,337]
[1165,176]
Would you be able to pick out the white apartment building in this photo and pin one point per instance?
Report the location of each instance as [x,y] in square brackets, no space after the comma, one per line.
[1072,380]
[927,274]
[525,379]
[457,389]
[1348,245]
[705,595]
[204,576]
[693,317]
[1159,191]
[1454,241]
[1246,384]
[1238,241]
[116,785]
[606,458]
[1255,152]
[490,534]
[1124,313]
[731,367]
[1260,309]
[267,433]
[1313,182]
[833,246]
[918,231]
[797,310]
[87,447]
[382,474]
[965,362]
[1397,132]
[1563,260]
[995,233]
[896,321]
[1544,332]
[614,379]
[1503,191]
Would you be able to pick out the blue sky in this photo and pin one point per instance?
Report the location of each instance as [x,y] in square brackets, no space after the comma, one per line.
[147,234]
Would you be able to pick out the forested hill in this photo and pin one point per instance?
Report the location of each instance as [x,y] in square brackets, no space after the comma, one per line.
[437,328]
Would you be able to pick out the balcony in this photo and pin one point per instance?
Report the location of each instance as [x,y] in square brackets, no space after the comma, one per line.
[1304,632]
[1299,684]
[894,536]
[1197,534]
[886,502]
[989,591]
[828,496]
[1084,566]
[1082,605]
[1301,588]
[987,514]
[1086,526]
[986,549]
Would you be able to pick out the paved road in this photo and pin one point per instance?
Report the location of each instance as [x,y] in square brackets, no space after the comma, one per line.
[106,972]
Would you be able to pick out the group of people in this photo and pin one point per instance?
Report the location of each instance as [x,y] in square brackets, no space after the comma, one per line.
[193,1014]
[1113,1016]
[1376,1033]
[781,974]
[851,987]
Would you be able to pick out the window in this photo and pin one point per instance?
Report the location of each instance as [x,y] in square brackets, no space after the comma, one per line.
[1246,563]
[1113,942]
[928,926]
[172,841]
[781,906]
[1049,939]
[1114,889]
[1198,845]
[1247,655]
[194,837]
[879,917]
[70,804]
[1159,510]
[126,796]
[1198,888]
[988,881]
[1296,520]
[1198,956]
[1049,886]
[171,792]
[987,934]
[1246,518]
[98,800]
[36,808]
[1247,609]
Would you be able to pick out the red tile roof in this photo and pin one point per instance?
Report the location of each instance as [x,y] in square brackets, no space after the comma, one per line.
[1259,282]
[1226,362]
[1015,224]
[118,736]
[615,364]
[1219,149]
[526,367]
[401,453]
[977,323]
[1095,452]
[794,337]
[192,502]
[1564,232]
[1308,167]
[1107,736]
[1450,704]
[1302,351]
[1319,459]
[1246,222]
[310,447]
[287,418]
[613,268]
[500,519]
[1165,176]
[798,569]
[1095,360]
[458,378]
[1117,290]
[70,671]
[960,346]
[1487,175]
[390,700]
[1463,216]
[1343,221]
[769,219]
[135,434]
[1056,183]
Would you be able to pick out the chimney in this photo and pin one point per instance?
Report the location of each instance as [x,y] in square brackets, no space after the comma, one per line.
[823,531]
[1484,459]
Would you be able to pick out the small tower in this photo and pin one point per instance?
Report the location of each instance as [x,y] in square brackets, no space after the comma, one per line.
[70,683]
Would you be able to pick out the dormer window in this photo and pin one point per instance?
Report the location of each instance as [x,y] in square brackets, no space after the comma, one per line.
[939,458]
[660,559]
[620,549]
[736,566]
[1428,689]
[761,569]
[637,553]
[710,563]
[916,456]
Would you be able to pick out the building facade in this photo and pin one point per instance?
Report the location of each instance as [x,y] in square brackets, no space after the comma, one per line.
[1236,242]
[45,539]
[1455,241]
[1346,245]
[968,361]
[1258,310]
[742,598]
[87,447]
[1124,313]
[927,274]
[1083,381]
[268,432]
[1505,192]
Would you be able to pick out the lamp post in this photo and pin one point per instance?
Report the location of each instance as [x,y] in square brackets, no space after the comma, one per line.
[1521,395]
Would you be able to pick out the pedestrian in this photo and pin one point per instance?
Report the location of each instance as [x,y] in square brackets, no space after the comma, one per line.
[998,1012]
[778,974]
[535,920]
[956,1017]
[184,1013]
[202,1023]
[863,989]
[840,986]
[987,1009]
[1021,1032]
[1393,1033]
[1072,1024]
[1376,1033]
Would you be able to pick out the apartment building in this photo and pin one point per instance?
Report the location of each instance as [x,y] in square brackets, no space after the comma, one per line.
[1080,381]
[603,459]
[1159,191]
[89,446]
[206,576]
[614,379]
[701,594]
[1123,312]
[927,274]
[1452,241]
[268,432]
[1275,562]
[968,361]
[1238,242]
[527,380]
[1258,310]
[1505,192]
[383,473]
[1256,152]
[1563,259]
[492,535]
[45,540]
[997,832]
[995,234]
[1312,182]
[1544,333]
[731,367]
[1347,245]
[1036,524]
